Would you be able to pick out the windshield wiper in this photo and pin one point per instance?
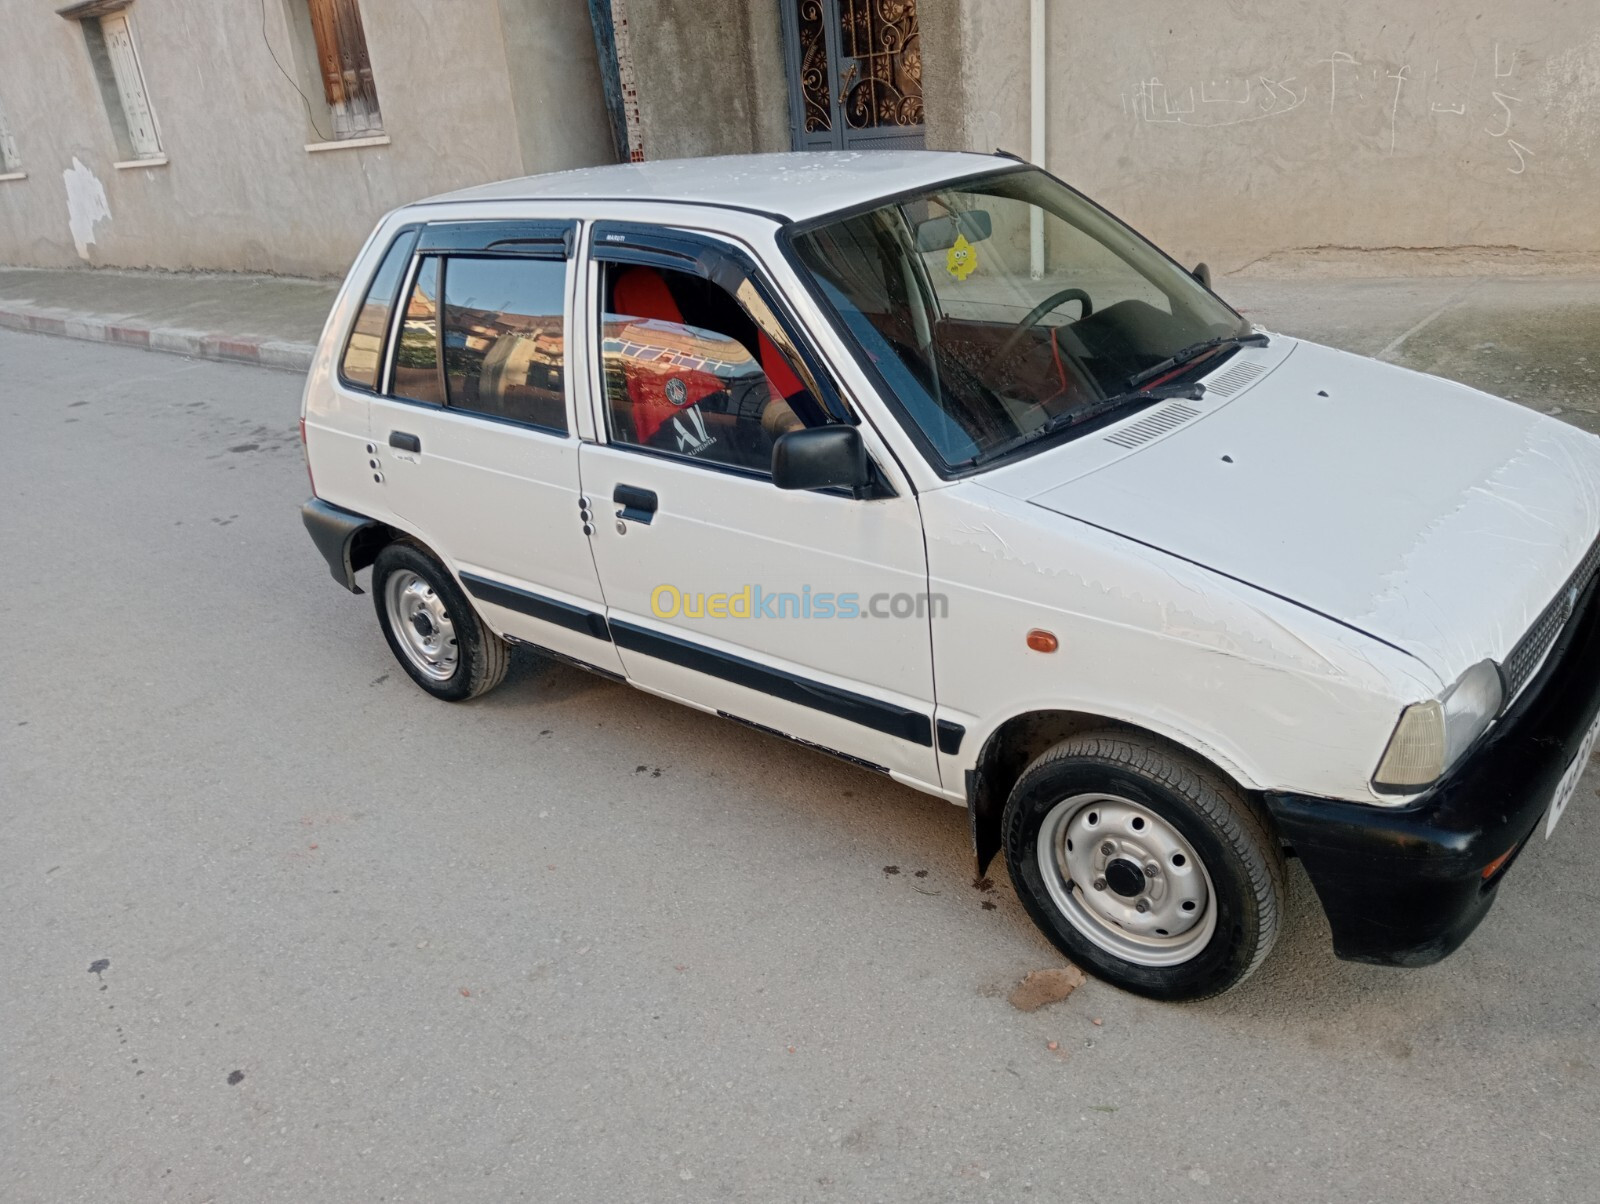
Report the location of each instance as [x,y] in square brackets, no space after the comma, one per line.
[1098,409]
[1254,339]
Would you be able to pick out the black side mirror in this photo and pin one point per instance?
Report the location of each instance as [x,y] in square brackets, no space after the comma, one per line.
[1202,273]
[821,457]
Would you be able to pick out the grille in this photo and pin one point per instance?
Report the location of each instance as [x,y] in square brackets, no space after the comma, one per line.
[1525,659]
[1148,427]
[1226,384]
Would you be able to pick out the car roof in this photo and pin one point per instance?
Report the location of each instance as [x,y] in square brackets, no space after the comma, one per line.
[792,186]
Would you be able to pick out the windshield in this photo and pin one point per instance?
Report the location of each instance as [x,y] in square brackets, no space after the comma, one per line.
[1004,305]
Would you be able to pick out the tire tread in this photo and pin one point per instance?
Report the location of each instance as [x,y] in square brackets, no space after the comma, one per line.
[485,656]
[1227,809]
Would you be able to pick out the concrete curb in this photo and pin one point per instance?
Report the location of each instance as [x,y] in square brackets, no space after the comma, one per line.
[197,344]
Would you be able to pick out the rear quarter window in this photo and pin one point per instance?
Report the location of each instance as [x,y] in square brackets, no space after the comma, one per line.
[363,353]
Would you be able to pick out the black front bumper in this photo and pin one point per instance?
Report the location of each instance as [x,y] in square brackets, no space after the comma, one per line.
[1405,886]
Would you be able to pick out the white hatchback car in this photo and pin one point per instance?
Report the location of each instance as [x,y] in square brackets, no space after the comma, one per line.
[926,461]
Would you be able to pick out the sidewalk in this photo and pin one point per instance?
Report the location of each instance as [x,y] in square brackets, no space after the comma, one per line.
[1533,339]
[266,320]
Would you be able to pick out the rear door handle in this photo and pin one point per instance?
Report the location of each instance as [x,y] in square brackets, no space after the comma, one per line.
[638,505]
[405,442]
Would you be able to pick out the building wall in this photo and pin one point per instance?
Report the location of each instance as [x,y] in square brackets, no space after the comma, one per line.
[470,90]
[710,76]
[555,85]
[1364,135]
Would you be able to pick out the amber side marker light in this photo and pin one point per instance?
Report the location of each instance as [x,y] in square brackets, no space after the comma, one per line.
[1042,641]
[1498,864]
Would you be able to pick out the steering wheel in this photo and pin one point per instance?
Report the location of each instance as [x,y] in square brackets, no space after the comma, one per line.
[1031,318]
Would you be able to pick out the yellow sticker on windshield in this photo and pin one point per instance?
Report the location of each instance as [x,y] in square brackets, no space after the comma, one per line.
[962,259]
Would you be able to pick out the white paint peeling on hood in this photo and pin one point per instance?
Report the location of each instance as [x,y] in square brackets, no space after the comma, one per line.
[1432,516]
[86,205]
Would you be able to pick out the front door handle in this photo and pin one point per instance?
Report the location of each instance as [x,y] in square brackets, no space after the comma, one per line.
[638,505]
[405,442]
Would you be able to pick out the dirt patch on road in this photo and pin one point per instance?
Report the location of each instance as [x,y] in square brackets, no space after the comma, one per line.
[1045,986]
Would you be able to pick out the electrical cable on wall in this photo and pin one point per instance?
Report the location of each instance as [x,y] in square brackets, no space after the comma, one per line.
[304,99]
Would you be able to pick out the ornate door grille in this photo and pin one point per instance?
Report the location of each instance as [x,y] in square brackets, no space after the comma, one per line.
[855,74]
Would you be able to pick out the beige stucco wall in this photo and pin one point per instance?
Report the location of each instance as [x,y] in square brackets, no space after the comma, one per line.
[1363,135]
[710,76]
[240,191]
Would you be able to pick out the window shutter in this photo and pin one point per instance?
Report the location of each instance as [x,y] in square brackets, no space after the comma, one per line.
[346,69]
[325,30]
[9,159]
[130,85]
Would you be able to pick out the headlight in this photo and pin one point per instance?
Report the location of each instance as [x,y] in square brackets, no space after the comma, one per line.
[1432,735]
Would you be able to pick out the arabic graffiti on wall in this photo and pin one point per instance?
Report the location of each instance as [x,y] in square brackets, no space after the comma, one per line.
[1502,97]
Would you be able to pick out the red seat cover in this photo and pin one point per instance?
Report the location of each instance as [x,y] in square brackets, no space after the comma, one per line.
[643,293]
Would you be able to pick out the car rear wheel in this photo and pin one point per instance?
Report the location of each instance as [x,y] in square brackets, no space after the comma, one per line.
[1145,868]
[431,627]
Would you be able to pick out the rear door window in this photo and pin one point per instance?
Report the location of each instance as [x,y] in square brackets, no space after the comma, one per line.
[504,332]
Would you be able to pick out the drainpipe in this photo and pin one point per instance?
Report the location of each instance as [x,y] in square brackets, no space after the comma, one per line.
[617,82]
[605,48]
[1036,131]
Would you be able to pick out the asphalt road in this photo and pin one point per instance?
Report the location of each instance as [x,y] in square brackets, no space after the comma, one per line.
[279,927]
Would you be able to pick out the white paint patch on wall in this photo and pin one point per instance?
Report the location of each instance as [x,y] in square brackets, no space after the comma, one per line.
[86,204]
[1572,91]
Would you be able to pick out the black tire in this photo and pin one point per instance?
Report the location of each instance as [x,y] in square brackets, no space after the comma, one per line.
[482,657]
[1232,839]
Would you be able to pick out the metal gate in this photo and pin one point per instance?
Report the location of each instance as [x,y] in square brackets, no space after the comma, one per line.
[855,74]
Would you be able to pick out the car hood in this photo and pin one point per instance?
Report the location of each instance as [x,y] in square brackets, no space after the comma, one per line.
[1429,515]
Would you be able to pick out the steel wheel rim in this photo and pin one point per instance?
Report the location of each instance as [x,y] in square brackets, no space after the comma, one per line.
[421,624]
[1095,889]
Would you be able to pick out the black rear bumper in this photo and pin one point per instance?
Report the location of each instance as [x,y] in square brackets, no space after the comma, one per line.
[341,537]
[1406,886]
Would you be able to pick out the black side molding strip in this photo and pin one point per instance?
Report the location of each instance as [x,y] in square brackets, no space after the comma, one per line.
[886,717]
[950,736]
[562,614]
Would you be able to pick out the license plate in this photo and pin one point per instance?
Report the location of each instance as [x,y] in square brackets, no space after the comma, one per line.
[1569,781]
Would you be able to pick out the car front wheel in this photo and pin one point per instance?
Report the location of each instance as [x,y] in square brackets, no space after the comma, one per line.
[431,627]
[1149,870]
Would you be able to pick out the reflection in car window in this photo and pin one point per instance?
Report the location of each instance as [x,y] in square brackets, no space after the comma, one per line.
[503,338]
[688,371]
[364,351]
[983,335]
[416,360]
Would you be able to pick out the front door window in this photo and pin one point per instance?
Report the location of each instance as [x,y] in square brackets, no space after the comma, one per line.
[688,372]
